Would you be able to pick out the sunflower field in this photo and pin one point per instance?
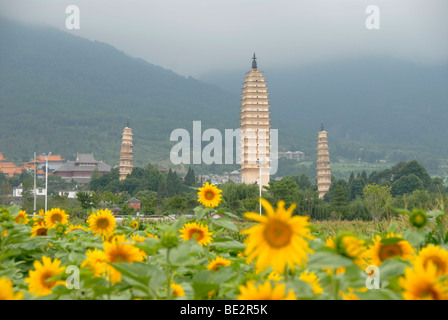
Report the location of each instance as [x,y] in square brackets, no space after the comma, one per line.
[277,256]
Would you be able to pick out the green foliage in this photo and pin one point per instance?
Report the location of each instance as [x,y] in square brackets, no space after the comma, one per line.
[377,199]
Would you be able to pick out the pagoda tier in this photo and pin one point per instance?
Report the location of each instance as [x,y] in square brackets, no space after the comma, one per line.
[255,125]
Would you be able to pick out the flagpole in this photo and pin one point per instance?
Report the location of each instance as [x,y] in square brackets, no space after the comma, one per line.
[259,164]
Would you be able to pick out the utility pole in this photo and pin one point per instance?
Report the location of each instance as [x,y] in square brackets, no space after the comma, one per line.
[35,169]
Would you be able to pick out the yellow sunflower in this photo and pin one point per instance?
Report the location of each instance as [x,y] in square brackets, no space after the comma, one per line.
[265,292]
[7,292]
[102,222]
[39,230]
[22,217]
[349,246]
[350,294]
[330,243]
[274,276]
[76,227]
[279,239]
[40,219]
[379,252]
[196,231]
[55,216]
[119,250]
[134,224]
[38,278]
[423,283]
[218,263]
[149,235]
[137,238]
[438,256]
[96,261]
[312,279]
[209,195]
[178,291]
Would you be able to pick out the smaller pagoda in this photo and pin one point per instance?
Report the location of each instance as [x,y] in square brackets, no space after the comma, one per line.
[323,163]
[126,160]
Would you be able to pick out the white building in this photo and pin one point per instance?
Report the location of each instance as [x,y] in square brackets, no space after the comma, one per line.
[17,192]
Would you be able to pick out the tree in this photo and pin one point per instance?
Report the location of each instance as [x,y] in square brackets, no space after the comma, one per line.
[285,189]
[162,191]
[377,199]
[190,179]
[178,203]
[339,201]
[414,167]
[304,182]
[5,191]
[173,183]
[356,188]
[406,184]
[87,200]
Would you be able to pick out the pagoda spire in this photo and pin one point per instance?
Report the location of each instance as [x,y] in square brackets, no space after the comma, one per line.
[322,127]
[128,125]
[254,62]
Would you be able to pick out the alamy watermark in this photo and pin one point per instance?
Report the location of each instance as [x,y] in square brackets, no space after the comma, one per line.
[190,149]
[373,277]
[72,281]
[373,20]
[73,20]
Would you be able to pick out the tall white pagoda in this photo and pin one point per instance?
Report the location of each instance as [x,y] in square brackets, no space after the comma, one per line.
[255,138]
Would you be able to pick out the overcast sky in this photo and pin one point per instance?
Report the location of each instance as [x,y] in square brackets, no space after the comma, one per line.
[199,36]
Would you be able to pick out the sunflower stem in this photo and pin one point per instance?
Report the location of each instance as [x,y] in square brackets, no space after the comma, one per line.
[168,275]
[336,287]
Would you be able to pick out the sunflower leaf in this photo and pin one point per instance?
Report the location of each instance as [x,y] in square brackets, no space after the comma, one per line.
[225,223]
[200,212]
[323,259]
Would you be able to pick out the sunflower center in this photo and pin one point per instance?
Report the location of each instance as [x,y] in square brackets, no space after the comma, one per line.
[45,283]
[440,265]
[209,195]
[196,234]
[56,218]
[278,234]
[419,219]
[102,223]
[41,232]
[429,292]
[119,256]
[390,250]
[217,265]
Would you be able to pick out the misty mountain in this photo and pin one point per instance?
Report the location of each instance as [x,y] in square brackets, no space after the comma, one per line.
[66,94]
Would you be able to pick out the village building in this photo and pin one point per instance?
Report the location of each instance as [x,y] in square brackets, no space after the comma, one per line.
[134,203]
[293,155]
[9,169]
[17,192]
[71,194]
[81,169]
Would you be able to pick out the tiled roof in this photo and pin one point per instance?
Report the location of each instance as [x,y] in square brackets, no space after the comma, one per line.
[51,157]
[72,166]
